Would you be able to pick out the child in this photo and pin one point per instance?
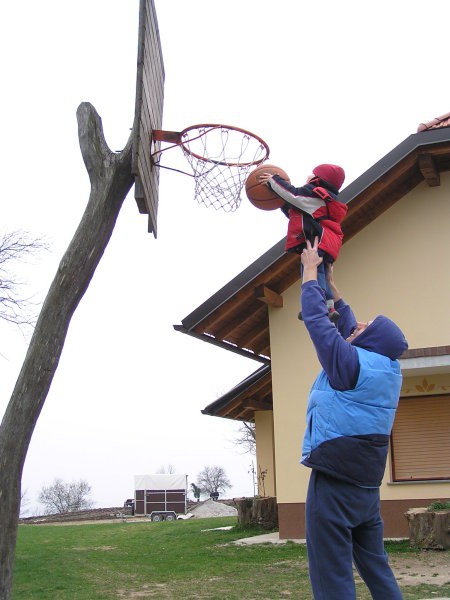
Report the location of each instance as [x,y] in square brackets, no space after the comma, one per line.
[313,211]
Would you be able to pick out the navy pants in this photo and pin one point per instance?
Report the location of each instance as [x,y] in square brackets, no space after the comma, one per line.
[344,526]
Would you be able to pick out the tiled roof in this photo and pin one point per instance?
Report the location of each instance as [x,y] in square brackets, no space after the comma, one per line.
[436,123]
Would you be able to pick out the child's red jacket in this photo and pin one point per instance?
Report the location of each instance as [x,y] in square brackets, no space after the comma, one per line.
[313,211]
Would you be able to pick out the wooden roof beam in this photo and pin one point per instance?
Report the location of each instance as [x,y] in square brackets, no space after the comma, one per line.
[268,296]
[251,339]
[254,404]
[243,407]
[381,185]
[263,387]
[263,348]
[241,415]
[227,328]
[369,211]
[225,311]
[428,169]
[242,412]
[241,298]
[230,407]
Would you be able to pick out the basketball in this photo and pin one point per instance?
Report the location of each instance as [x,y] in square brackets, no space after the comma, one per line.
[259,194]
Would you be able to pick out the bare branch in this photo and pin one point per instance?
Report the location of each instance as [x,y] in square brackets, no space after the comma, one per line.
[94,148]
[60,497]
[16,246]
[170,469]
[246,438]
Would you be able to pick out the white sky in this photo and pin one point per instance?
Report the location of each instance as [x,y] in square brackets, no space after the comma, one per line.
[320,82]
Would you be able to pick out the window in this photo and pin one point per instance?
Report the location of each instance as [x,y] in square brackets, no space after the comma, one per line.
[420,440]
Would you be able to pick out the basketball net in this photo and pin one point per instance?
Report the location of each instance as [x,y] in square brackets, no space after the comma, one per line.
[220,157]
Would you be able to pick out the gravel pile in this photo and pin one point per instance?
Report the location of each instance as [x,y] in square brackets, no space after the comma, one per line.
[211,508]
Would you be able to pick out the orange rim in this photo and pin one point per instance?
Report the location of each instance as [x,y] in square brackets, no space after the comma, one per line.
[210,127]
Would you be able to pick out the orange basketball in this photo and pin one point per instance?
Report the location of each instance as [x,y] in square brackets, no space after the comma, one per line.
[259,194]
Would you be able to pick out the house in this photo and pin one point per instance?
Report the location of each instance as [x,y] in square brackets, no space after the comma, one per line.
[395,261]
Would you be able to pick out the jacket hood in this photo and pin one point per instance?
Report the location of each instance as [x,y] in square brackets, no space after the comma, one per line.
[384,337]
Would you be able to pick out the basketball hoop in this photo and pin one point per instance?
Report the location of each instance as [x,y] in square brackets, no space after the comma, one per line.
[220,157]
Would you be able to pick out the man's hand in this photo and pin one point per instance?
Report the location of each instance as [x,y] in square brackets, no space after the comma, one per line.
[310,261]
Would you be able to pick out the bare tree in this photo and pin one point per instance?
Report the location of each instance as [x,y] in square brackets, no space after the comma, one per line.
[246,438]
[169,469]
[16,246]
[212,480]
[60,497]
[111,179]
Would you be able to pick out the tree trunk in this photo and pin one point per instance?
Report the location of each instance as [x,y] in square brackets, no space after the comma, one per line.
[429,529]
[265,512]
[111,179]
[244,510]
[258,511]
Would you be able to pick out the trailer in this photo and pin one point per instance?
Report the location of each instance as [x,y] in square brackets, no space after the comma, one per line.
[162,497]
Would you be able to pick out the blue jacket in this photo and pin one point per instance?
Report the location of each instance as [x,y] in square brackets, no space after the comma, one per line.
[347,432]
[353,401]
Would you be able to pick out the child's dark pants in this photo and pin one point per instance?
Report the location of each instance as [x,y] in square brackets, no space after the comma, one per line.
[343,525]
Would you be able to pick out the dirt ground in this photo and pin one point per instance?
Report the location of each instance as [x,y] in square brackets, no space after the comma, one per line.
[431,567]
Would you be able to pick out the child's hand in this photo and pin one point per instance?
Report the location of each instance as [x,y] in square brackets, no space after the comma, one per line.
[264,178]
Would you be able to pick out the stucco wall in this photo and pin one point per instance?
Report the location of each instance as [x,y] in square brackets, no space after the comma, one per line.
[265,453]
[398,266]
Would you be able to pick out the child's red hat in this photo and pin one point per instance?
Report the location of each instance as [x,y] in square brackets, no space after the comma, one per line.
[331,174]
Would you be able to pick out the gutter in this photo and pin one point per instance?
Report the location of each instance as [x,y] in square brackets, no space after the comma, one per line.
[225,345]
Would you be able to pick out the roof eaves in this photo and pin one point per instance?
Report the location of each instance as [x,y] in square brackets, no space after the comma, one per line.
[215,407]
[233,287]
[392,158]
[223,344]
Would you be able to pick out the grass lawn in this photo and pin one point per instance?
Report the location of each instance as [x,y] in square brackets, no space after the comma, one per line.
[167,560]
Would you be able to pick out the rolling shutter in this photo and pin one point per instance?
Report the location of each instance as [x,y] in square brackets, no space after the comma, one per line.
[420,439]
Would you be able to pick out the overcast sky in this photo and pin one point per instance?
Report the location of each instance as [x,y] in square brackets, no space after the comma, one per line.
[319,82]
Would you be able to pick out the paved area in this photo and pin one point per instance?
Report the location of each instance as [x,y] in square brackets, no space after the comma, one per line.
[274,538]
[266,538]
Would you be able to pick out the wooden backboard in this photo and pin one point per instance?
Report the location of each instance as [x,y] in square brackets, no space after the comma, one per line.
[148,112]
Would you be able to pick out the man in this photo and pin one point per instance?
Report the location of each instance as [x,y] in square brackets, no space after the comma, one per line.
[350,414]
